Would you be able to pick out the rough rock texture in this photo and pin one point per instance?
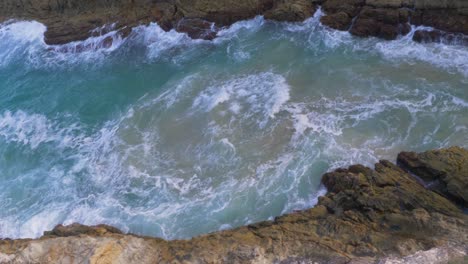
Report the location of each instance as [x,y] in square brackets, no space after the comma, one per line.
[446,170]
[291,10]
[381,215]
[390,18]
[70,20]
[427,36]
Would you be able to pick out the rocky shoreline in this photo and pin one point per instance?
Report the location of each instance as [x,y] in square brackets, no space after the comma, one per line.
[73,20]
[406,213]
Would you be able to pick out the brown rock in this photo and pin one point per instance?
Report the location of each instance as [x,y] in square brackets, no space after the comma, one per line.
[291,10]
[340,21]
[78,229]
[72,20]
[447,169]
[385,23]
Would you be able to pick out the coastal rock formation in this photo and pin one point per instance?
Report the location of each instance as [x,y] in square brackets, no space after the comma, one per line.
[390,18]
[72,20]
[369,215]
[445,170]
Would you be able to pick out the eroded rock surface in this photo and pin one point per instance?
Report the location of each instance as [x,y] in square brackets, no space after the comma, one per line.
[389,18]
[445,171]
[71,20]
[381,215]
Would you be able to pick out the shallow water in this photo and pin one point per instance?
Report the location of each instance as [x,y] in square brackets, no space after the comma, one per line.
[166,136]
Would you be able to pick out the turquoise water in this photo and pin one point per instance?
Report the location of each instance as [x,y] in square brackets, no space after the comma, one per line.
[166,136]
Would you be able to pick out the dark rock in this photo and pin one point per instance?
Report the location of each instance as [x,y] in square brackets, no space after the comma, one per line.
[380,22]
[440,36]
[73,20]
[389,18]
[340,20]
[445,20]
[197,28]
[291,10]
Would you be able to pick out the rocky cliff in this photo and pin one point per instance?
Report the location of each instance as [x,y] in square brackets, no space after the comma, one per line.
[380,215]
[70,20]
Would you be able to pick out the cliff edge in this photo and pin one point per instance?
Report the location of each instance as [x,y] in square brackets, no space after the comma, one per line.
[73,20]
[380,215]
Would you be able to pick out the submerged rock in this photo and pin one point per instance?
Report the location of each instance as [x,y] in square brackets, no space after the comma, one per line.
[369,215]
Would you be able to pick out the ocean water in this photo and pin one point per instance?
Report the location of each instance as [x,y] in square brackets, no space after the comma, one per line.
[166,136]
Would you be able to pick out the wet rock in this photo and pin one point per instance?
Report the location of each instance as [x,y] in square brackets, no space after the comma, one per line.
[427,36]
[390,18]
[368,215]
[197,28]
[446,20]
[72,20]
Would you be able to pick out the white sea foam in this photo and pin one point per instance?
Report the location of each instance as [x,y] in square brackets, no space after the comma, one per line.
[161,43]
[34,129]
[167,184]
[264,93]
[453,58]
[19,39]
[246,26]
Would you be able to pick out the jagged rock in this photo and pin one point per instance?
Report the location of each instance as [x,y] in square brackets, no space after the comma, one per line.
[389,18]
[368,215]
[72,20]
[449,20]
[447,169]
[381,22]
[340,20]
[427,36]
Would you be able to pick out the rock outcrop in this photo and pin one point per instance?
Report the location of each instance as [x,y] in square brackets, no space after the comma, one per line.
[369,215]
[445,171]
[390,18]
[71,20]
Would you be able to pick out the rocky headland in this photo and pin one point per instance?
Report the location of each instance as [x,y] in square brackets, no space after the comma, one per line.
[406,213]
[73,20]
